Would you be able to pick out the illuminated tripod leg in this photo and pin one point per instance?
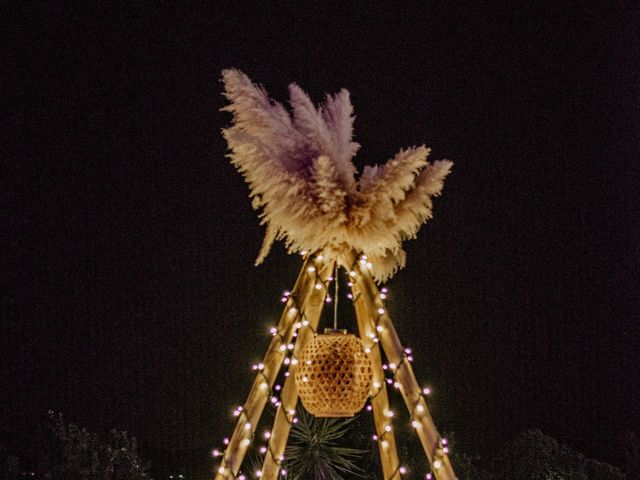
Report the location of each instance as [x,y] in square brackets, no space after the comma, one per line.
[411,391]
[271,365]
[289,397]
[379,399]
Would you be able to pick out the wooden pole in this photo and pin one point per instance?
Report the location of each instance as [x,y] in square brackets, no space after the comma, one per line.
[289,397]
[259,394]
[379,398]
[411,391]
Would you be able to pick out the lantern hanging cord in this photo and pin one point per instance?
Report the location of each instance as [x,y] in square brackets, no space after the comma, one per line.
[335,299]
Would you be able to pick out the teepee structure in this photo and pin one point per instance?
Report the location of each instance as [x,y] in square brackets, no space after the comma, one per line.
[299,170]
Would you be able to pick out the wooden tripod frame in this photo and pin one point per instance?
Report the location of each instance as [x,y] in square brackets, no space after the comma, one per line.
[297,326]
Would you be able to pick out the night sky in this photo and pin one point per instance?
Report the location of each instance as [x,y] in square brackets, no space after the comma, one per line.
[129,295]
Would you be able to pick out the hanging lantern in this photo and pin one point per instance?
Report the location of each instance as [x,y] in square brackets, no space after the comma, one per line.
[333,375]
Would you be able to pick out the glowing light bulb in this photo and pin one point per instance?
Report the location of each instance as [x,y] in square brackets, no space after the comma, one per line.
[426,390]
[246,442]
[221,470]
[225,441]
[283,472]
[367,350]
[274,331]
[388,413]
[267,435]
[428,476]
[311,269]
[437,464]
[387,428]
[376,385]
[384,290]
[287,361]
[293,310]
[318,286]
[444,441]
[263,450]
[384,443]
[278,387]
[263,386]
[445,449]
[258,473]
[242,477]
[369,265]
[415,424]
[402,470]
[380,328]
[298,325]
[352,273]
[369,408]
[215,452]
[247,426]
[393,366]
[305,322]
[375,437]
[383,296]
[420,408]
[319,257]
[349,296]
[381,311]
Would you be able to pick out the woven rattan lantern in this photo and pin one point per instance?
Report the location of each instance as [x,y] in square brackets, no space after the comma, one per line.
[333,375]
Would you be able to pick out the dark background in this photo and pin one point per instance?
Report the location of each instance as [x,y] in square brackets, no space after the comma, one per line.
[130,299]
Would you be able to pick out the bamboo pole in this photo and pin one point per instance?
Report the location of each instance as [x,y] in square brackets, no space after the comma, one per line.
[379,398]
[411,391]
[260,391]
[289,398]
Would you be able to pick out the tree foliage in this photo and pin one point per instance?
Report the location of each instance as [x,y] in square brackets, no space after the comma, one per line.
[535,456]
[74,453]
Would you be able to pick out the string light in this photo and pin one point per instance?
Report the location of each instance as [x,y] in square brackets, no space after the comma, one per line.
[267,435]
[402,470]
[381,311]
[426,390]
[437,464]
[311,269]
